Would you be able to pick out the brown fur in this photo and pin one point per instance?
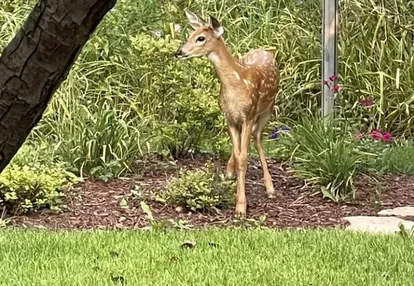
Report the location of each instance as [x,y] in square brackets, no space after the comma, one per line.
[247,96]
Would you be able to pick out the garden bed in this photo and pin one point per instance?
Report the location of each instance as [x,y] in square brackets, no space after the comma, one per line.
[95,204]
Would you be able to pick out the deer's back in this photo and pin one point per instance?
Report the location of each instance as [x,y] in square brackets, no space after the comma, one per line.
[264,73]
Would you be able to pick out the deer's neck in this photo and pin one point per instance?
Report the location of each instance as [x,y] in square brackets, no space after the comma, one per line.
[227,68]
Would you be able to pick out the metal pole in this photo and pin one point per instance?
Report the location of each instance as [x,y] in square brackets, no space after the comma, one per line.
[329,53]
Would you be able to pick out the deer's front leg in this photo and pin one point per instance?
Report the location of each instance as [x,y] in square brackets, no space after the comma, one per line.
[235,141]
[234,133]
[241,202]
[231,165]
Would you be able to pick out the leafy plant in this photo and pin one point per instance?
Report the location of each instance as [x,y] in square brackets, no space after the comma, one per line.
[164,224]
[322,156]
[126,95]
[397,159]
[35,179]
[24,189]
[188,116]
[101,143]
[199,189]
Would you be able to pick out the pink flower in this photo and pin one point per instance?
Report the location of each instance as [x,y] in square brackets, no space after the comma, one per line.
[387,137]
[335,89]
[325,82]
[333,78]
[367,102]
[376,134]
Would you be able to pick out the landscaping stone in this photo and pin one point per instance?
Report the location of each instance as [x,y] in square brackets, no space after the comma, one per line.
[373,224]
[399,211]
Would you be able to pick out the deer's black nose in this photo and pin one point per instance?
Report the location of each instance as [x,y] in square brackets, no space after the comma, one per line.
[178,53]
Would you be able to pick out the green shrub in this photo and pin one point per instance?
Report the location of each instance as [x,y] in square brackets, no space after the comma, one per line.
[181,95]
[199,189]
[323,156]
[24,188]
[128,64]
[34,179]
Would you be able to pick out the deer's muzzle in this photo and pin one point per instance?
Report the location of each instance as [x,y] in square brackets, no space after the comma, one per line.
[179,53]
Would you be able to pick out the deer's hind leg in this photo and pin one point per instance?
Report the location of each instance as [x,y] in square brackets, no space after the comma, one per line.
[260,123]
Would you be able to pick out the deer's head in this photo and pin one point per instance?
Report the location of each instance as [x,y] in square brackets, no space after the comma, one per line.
[203,39]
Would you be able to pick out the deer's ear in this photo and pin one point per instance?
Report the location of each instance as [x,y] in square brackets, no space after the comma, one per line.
[217,28]
[194,20]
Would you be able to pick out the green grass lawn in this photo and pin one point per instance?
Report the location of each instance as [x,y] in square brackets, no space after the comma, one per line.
[258,257]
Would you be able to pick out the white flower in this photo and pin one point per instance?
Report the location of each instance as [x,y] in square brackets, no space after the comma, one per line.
[177,28]
[157,34]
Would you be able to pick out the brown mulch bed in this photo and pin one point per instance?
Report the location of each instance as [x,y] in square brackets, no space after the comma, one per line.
[95,204]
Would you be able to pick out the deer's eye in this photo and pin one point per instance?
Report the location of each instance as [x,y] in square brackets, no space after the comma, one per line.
[201,39]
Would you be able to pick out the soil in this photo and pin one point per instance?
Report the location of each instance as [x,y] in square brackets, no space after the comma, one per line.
[97,205]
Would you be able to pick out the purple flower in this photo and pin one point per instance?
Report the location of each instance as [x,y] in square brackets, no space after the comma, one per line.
[275,133]
[285,128]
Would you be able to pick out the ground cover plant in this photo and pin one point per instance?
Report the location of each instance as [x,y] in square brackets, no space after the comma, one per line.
[203,258]
[34,181]
[199,189]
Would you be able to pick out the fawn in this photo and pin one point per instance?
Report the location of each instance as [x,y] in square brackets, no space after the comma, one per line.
[248,90]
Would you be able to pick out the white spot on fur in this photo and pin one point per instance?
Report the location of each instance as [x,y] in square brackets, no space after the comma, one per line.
[237,75]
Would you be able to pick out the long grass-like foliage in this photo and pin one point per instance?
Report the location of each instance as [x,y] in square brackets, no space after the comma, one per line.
[127,96]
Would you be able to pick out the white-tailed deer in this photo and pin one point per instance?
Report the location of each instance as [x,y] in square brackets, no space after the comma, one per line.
[247,95]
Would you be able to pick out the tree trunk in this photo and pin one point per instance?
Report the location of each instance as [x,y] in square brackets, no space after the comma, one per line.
[37,60]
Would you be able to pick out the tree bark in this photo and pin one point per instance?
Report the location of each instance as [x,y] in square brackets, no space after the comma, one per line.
[37,60]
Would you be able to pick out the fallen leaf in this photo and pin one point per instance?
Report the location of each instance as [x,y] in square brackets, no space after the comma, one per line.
[118,279]
[213,244]
[188,244]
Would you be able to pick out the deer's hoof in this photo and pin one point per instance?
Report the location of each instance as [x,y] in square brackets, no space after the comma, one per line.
[270,191]
[241,210]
